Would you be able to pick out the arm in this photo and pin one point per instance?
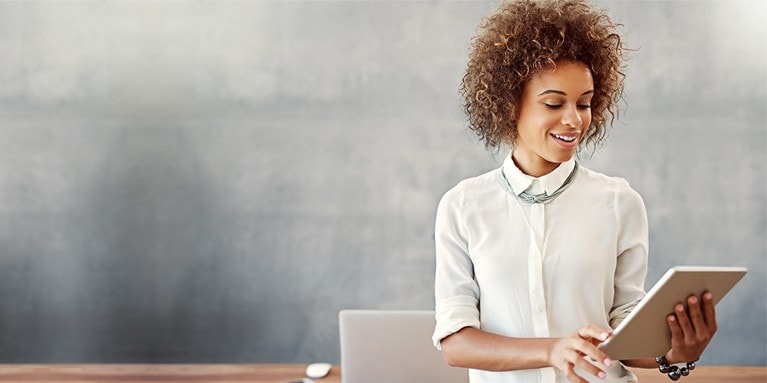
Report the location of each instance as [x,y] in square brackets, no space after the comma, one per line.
[474,348]
[691,329]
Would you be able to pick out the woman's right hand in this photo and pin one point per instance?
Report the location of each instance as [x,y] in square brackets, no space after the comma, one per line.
[568,353]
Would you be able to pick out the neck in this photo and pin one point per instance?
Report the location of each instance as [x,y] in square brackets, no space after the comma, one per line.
[533,168]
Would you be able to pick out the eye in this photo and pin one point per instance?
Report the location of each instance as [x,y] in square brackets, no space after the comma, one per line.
[584,106]
[553,106]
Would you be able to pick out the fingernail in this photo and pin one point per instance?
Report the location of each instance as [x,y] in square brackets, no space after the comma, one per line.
[707,295]
[680,308]
[608,362]
[603,336]
[693,300]
[601,375]
[671,318]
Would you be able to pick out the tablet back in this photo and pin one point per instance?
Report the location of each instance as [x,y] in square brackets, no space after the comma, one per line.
[645,333]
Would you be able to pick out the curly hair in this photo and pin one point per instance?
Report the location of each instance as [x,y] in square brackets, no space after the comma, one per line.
[521,38]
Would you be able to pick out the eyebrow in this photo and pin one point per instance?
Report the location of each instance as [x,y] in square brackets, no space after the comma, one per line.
[549,91]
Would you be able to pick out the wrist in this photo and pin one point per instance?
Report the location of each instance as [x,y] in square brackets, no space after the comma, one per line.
[548,351]
[670,358]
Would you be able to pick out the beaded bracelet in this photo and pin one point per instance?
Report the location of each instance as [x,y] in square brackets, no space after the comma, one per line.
[674,372]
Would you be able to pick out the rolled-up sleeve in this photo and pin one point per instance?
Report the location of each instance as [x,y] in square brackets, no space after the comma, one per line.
[631,267]
[456,290]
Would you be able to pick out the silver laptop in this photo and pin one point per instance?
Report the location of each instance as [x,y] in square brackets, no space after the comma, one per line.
[385,346]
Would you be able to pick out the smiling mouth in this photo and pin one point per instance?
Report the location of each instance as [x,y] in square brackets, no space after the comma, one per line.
[565,138]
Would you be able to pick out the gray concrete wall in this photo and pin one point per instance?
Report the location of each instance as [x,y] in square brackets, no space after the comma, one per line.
[201,181]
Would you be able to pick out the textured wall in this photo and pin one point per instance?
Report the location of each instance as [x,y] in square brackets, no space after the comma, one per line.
[212,181]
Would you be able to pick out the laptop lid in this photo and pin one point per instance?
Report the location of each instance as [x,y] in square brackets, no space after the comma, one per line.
[385,346]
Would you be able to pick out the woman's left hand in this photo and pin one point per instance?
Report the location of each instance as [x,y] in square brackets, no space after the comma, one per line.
[691,329]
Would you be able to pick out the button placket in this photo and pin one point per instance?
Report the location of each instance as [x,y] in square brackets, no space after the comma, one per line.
[535,271]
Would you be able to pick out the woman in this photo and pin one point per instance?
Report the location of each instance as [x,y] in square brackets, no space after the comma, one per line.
[537,261]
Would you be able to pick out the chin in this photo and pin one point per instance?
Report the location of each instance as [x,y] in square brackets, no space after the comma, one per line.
[560,158]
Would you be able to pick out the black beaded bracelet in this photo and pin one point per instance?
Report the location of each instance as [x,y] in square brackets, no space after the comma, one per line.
[674,372]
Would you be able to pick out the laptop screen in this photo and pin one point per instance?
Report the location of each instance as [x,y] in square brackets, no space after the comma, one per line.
[384,346]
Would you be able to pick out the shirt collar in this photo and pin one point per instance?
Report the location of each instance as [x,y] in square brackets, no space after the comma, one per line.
[551,182]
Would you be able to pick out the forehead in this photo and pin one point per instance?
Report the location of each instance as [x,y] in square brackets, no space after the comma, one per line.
[572,78]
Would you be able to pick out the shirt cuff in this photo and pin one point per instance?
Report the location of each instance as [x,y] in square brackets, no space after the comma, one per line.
[618,314]
[453,315]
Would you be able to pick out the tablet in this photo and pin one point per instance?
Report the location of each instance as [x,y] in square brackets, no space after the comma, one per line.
[645,333]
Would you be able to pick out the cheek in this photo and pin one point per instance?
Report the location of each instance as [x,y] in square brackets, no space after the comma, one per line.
[540,126]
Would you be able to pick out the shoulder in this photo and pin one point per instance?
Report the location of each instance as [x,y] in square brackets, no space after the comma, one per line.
[615,188]
[603,181]
[470,192]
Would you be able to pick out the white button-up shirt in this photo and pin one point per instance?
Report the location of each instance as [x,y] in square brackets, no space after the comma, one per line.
[539,270]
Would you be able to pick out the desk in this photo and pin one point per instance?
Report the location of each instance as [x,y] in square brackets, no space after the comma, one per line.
[278,373]
[708,374]
[159,373]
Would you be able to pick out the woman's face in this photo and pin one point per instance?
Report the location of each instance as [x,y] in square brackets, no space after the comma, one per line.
[554,113]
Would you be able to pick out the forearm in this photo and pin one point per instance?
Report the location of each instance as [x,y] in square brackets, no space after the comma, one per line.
[473,348]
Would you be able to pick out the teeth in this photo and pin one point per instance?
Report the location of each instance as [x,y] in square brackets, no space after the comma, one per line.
[564,138]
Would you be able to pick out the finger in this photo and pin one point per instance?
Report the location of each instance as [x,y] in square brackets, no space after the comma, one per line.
[584,365]
[593,332]
[587,349]
[696,317]
[677,337]
[572,376]
[684,321]
[709,311]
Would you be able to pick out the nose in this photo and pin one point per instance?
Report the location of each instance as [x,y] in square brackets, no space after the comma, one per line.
[572,117]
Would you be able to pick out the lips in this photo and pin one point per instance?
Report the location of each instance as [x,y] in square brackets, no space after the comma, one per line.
[566,140]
